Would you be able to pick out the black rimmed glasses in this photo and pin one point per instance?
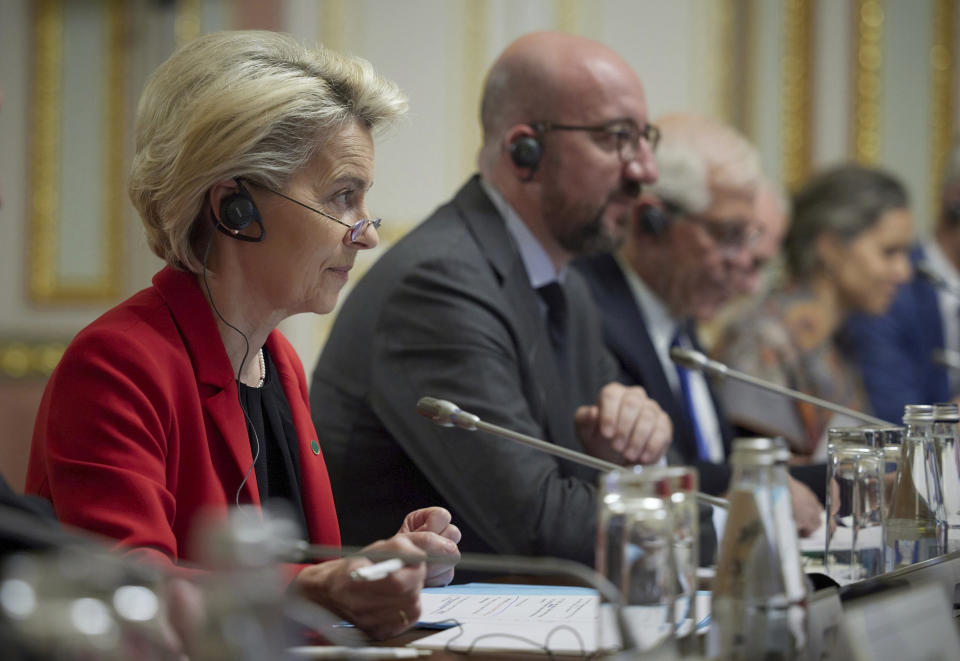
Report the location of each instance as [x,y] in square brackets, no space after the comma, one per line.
[356,230]
[624,131]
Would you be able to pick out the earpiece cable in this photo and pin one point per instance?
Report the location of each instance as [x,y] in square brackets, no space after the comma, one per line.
[246,353]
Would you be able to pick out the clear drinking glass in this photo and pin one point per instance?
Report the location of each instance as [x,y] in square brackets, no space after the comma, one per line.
[647,546]
[855,504]
[892,442]
[947,445]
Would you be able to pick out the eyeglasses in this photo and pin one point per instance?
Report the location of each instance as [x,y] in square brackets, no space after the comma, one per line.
[731,235]
[356,230]
[624,131]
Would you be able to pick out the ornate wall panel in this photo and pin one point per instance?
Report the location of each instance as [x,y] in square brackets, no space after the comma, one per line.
[333,18]
[943,92]
[77,137]
[808,88]
[568,15]
[868,63]
[189,21]
[797,64]
[476,37]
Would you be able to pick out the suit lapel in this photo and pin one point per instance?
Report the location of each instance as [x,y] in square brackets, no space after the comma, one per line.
[634,348]
[551,404]
[227,435]
[230,434]
[319,510]
[626,335]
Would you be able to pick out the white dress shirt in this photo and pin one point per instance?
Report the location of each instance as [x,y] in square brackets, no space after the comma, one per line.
[662,327]
[947,301]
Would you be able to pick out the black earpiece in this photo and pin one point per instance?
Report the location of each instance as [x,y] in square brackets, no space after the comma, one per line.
[526,151]
[238,212]
[654,220]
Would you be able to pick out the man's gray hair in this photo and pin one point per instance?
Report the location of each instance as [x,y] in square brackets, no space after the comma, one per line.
[698,155]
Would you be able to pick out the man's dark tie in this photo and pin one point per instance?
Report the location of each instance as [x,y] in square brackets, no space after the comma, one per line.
[703,450]
[552,294]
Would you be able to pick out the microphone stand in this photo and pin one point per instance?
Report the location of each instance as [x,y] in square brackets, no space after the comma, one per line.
[925,271]
[448,414]
[943,357]
[696,360]
[946,358]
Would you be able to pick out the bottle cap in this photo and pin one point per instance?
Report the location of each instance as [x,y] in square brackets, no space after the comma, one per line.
[759,451]
[869,435]
[946,412]
[918,414]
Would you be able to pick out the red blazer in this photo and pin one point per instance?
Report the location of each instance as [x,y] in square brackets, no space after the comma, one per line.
[140,427]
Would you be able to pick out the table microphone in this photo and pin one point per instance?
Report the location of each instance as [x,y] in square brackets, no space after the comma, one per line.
[942,357]
[448,414]
[696,360]
[946,358]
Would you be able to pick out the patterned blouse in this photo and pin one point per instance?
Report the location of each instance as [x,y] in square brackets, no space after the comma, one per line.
[785,339]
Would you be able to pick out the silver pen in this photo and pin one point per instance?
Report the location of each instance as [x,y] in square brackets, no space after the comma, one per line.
[377,571]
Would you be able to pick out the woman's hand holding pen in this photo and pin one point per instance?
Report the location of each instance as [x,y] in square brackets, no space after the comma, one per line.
[384,607]
[383,599]
[433,533]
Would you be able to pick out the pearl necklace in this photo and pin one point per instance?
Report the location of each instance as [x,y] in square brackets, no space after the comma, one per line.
[263,369]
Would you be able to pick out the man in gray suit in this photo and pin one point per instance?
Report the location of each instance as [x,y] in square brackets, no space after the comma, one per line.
[477,305]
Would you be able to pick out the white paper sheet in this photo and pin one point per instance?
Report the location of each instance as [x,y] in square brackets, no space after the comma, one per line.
[520,618]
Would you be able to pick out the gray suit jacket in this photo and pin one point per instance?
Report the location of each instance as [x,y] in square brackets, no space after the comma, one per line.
[449,312]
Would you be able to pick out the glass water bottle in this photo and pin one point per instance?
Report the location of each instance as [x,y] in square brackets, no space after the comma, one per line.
[759,596]
[916,526]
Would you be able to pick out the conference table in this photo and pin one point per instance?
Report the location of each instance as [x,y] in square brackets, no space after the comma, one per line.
[904,604]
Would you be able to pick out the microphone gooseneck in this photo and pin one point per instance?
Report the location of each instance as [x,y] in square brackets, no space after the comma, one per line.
[692,359]
[448,414]
[943,357]
[927,272]
[946,358]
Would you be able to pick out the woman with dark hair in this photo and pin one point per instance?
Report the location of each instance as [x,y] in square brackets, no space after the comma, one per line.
[846,251]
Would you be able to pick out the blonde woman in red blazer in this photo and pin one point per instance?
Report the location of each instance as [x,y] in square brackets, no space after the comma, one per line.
[253,158]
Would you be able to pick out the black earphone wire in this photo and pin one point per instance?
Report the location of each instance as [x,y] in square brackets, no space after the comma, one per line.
[246,352]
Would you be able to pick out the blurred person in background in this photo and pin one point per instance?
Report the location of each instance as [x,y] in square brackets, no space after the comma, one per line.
[903,353]
[771,219]
[688,250]
[846,251]
[252,161]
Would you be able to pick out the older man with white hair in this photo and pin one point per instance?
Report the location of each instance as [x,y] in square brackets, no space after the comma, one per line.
[771,219]
[688,251]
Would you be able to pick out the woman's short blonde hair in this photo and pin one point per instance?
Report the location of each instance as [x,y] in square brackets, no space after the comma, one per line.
[249,104]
